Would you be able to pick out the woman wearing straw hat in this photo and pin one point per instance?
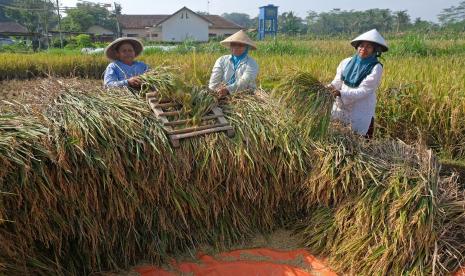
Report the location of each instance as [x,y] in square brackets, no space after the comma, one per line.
[124,70]
[235,72]
[356,82]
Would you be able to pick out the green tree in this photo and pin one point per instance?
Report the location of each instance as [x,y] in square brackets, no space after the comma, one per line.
[86,15]
[241,19]
[338,21]
[311,18]
[35,15]
[423,25]
[453,14]
[402,19]
[3,16]
[290,24]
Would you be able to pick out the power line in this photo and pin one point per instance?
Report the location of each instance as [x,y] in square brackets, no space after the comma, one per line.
[21,8]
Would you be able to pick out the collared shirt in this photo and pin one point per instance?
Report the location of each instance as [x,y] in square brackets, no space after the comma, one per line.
[118,73]
[356,106]
[245,74]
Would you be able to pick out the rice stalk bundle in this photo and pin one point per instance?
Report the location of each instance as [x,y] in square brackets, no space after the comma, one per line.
[111,191]
[195,102]
[382,212]
[450,248]
[100,188]
[161,78]
[308,99]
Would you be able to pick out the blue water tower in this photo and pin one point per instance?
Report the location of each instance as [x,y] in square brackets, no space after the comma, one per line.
[267,21]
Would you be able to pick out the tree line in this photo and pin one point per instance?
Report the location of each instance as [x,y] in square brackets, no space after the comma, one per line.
[39,15]
[339,22]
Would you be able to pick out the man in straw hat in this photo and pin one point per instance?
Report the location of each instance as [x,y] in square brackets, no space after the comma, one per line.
[124,70]
[356,82]
[235,72]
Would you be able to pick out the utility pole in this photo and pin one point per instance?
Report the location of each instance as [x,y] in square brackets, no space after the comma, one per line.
[59,25]
[46,23]
[208,6]
[117,23]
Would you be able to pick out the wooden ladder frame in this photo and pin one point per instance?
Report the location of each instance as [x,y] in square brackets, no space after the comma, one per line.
[158,105]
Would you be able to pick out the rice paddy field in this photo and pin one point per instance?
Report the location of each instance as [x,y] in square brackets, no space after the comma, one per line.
[89,181]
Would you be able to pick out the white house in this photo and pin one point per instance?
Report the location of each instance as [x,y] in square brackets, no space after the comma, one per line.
[184,24]
[99,30]
[179,26]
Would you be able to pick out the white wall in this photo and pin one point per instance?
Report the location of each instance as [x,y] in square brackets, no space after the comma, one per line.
[99,30]
[154,34]
[223,32]
[140,33]
[180,27]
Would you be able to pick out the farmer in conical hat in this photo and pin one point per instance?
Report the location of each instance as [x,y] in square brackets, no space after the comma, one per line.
[124,70]
[237,71]
[356,82]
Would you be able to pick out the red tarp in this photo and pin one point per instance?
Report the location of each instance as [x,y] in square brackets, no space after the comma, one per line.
[257,262]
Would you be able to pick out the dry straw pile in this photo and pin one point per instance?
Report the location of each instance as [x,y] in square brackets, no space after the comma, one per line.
[89,182]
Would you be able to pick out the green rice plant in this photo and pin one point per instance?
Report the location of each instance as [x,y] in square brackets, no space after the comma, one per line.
[283,47]
[412,45]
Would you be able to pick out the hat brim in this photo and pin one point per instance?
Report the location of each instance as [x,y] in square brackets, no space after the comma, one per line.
[355,44]
[227,44]
[110,50]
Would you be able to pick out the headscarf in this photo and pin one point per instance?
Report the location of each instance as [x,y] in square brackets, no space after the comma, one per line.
[236,60]
[358,69]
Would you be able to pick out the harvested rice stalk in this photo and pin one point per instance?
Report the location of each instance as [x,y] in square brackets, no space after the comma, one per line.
[383,202]
[309,100]
[450,247]
[161,78]
[194,102]
[115,192]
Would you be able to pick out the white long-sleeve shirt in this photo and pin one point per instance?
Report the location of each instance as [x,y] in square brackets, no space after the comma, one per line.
[246,74]
[356,106]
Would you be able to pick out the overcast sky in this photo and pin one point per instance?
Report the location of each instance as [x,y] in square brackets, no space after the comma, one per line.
[426,9]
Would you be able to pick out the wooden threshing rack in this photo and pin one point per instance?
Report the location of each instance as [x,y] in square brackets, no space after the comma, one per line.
[168,113]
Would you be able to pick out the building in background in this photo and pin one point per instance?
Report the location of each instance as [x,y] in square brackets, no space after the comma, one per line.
[182,25]
[11,28]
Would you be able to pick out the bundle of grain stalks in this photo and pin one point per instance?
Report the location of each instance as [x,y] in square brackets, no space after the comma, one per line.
[308,100]
[108,190]
[92,183]
[193,102]
[375,209]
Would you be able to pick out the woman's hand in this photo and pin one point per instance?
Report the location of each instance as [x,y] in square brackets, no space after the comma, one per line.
[134,82]
[222,92]
[334,91]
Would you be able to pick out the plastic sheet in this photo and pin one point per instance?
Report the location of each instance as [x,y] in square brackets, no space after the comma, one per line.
[261,261]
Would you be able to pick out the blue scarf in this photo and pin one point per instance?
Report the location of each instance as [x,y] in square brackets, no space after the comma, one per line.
[358,69]
[236,60]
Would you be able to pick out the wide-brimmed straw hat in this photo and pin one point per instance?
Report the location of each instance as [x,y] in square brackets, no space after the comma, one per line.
[239,37]
[110,50]
[371,36]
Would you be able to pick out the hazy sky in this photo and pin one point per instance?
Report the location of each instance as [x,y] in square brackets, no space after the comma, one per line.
[426,9]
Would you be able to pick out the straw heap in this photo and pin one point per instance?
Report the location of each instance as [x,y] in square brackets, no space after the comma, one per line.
[92,184]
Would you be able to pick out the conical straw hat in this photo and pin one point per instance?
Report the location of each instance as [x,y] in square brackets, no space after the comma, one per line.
[110,50]
[371,36]
[239,37]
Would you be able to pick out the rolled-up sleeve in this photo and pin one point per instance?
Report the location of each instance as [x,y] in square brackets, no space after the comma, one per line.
[216,77]
[367,87]
[247,79]
[110,78]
